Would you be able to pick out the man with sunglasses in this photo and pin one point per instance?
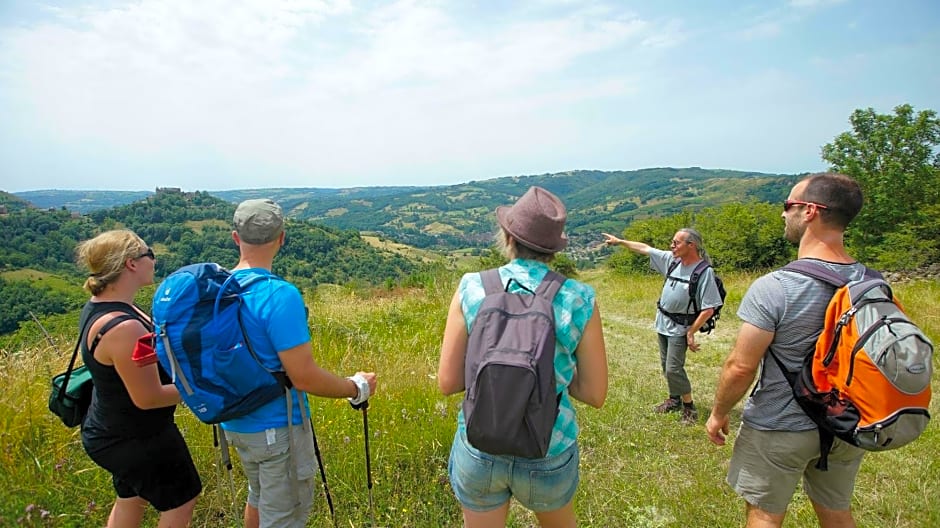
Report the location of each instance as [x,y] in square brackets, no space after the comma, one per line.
[676,319]
[777,444]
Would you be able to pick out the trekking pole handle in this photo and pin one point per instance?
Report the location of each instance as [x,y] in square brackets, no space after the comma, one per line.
[362,390]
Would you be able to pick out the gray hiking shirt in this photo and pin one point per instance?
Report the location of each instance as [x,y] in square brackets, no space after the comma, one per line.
[675,295]
[792,306]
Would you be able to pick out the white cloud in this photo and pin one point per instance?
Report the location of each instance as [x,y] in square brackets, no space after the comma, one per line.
[312,84]
[339,93]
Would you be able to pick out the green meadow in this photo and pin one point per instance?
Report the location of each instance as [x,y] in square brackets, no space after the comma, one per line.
[638,469]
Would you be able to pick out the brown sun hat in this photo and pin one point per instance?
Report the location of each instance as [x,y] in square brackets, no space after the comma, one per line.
[536,220]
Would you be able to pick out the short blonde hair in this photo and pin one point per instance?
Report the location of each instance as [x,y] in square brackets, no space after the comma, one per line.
[104,256]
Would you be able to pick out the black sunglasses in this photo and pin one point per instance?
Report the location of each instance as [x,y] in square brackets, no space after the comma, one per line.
[148,253]
[787,204]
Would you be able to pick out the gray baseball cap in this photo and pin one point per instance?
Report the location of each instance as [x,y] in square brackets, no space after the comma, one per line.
[258,221]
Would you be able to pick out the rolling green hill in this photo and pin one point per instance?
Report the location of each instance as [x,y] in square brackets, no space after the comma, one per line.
[461,216]
[182,228]
[81,201]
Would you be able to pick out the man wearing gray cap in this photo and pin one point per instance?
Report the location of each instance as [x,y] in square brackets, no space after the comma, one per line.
[280,463]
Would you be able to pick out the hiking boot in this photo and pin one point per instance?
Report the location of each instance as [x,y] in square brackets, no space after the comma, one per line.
[668,406]
[689,415]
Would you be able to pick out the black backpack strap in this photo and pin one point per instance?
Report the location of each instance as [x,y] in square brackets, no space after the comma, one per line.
[81,335]
[693,284]
[491,281]
[116,320]
[826,438]
[550,285]
[672,266]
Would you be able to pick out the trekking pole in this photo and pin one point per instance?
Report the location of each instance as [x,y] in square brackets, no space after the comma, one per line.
[365,429]
[326,489]
[225,463]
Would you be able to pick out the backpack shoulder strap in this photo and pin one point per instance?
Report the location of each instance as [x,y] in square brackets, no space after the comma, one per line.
[258,278]
[116,320]
[672,267]
[551,283]
[817,271]
[695,276]
[81,336]
[699,269]
[491,281]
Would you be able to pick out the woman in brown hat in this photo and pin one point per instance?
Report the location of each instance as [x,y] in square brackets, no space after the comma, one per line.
[531,233]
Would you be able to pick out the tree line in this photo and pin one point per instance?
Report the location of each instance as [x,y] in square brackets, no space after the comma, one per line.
[896,160]
[183,228]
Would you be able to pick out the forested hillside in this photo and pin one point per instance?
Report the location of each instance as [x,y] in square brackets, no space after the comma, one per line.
[81,201]
[461,216]
[37,246]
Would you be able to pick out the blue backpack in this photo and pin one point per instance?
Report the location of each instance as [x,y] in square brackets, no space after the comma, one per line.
[201,341]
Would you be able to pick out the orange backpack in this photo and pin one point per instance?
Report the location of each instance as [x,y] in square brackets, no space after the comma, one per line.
[868,380]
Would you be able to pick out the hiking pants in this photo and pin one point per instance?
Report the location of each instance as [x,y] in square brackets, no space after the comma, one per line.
[672,359]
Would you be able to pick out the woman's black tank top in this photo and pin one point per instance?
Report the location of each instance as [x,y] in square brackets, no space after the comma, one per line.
[112,413]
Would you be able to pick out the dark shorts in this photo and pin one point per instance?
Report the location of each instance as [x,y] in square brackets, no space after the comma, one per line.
[158,468]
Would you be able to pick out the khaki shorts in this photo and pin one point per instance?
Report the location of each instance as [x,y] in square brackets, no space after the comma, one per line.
[282,502]
[767,465]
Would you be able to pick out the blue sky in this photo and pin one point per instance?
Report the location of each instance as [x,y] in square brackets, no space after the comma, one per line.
[220,94]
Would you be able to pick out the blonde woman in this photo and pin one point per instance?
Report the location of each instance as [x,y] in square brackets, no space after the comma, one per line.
[532,232]
[129,429]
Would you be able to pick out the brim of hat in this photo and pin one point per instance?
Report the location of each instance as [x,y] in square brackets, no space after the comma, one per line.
[502,216]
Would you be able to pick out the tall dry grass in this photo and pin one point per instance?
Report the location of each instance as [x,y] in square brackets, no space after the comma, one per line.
[638,469]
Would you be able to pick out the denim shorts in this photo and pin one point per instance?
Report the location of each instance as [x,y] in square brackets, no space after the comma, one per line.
[484,482]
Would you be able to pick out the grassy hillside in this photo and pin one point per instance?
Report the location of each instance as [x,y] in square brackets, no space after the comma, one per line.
[638,469]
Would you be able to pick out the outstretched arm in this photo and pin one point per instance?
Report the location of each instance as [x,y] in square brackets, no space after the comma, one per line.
[636,247]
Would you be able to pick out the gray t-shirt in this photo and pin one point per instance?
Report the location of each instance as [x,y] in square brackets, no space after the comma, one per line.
[792,306]
[675,295]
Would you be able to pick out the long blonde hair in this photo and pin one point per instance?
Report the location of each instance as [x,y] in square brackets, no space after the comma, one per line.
[104,257]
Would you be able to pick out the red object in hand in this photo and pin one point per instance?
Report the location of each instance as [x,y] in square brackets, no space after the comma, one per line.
[144,353]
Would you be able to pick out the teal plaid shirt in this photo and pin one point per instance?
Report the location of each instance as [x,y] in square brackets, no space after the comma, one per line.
[573,306]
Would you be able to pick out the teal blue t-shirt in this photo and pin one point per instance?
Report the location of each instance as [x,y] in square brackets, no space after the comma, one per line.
[573,307]
[276,320]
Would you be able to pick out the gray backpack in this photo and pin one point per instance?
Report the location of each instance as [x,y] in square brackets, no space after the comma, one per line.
[510,403]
